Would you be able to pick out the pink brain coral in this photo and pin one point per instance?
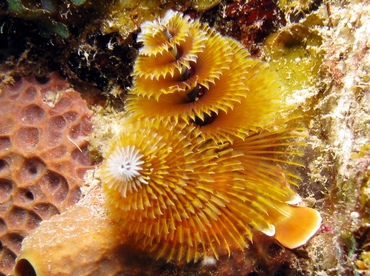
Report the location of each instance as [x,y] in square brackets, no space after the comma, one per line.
[43,157]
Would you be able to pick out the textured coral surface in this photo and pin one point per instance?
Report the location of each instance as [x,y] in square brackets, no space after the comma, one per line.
[321,49]
[340,140]
[76,255]
[126,16]
[43,157]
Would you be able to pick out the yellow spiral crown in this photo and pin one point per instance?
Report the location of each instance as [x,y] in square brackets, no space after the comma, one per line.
[205,157]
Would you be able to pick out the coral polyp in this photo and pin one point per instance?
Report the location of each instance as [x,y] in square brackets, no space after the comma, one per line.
[125,166]
[188,72]
[187,197]
[179,208]
[204,159]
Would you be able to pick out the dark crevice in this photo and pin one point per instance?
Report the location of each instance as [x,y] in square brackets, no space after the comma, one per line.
[196,93]
[208,119]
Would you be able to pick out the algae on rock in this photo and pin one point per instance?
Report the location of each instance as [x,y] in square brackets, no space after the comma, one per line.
[125,16]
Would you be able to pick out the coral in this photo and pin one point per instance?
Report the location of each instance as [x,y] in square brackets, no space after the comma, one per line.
[127,16]
[339,136]
[207,167]
[250,21]
[177,191]
[296,52]
[43,157]
[159,187]
[334,97]
[294,8]
[173,192]
[364,262]
[76,255]
[194,74]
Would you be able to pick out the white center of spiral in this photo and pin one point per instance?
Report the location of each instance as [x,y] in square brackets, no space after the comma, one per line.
[126,165]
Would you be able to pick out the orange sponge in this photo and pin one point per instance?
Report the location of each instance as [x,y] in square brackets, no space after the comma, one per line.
[43,157]
[297,227]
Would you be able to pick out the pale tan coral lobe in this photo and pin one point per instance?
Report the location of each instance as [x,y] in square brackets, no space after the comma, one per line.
[87,245]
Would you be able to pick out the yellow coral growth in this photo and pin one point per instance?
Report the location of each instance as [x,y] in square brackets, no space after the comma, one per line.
[204,159]
[188,72]
[161,56]
[170,189]
[183,197]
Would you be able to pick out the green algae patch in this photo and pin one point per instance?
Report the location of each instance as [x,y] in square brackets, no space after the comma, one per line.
[295,52]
